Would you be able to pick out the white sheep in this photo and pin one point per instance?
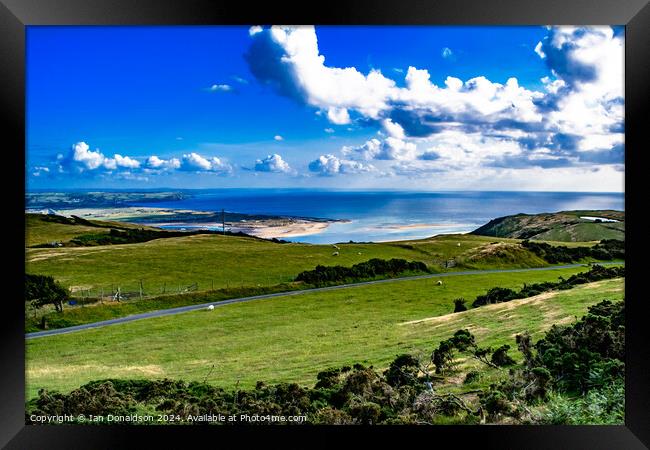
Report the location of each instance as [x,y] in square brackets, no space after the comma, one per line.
[439,283]
[210,308]
[458,245]
[335,254]
[336,246]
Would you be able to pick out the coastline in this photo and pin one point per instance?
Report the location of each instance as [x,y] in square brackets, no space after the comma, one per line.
[265,228]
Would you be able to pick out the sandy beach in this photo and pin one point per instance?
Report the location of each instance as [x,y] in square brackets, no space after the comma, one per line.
[273,227]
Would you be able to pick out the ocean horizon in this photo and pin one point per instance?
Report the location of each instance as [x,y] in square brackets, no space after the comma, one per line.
[368,215]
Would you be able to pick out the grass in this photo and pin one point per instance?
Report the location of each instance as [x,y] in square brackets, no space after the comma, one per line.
[40,231]
[216,262]
[293,338]
[223,262]
[585,232]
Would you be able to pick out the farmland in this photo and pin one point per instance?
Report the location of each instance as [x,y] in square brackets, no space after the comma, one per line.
[293,338]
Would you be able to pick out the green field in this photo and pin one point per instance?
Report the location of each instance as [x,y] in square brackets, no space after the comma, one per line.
[38,230]
[567,226]
[216,262]
[293,338]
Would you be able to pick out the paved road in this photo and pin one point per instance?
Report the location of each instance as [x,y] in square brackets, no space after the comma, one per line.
[182,309]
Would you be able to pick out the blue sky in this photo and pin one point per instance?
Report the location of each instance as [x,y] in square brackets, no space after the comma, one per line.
[428,108]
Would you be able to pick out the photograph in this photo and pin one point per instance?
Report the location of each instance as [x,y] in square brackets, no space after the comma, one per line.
[325,225]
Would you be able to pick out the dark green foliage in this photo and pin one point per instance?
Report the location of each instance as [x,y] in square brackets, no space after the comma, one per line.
[368,269]
[43,290]
[606,249]
[585,359]
[443,356]
[595,273]
[135,235]
[459,305]
[97,398]
[590,353]
[575,371]
[501,358]
[604,406]
[495,295]
[472,376]
[403,370]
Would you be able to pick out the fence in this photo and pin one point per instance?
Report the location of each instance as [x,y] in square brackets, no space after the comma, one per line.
[138,290]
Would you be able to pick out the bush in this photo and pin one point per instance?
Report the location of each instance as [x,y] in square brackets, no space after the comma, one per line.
[472,376]
[495,295]
[459,305]
[595,273]
[43,290]
[606,249]
[501,358]
[368,269]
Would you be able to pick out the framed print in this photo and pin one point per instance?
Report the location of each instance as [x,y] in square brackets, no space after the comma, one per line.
[407,219]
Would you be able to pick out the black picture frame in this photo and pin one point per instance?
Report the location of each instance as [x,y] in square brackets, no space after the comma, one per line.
[15,15]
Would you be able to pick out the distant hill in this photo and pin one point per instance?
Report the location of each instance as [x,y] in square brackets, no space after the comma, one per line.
[565,226]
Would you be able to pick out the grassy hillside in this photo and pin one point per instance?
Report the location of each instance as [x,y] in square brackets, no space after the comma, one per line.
[43,229]
[562,226]
[215,261]
[293,338]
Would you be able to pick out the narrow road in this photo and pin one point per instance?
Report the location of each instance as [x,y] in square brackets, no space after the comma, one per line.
[182,309]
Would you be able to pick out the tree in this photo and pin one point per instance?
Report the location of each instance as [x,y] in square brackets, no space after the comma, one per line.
[43,290]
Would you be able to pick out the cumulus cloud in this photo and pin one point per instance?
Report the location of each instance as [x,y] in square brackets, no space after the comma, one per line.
[331,165]
[272,163]
[197,163]
[579,108]
[121,161]
[82,159]
[277,137]
[154,162]
[389,149]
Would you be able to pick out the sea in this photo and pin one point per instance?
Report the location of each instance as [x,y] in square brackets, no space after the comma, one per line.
[376,216]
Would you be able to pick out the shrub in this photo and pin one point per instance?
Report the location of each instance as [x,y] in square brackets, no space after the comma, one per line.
[368,269]
[43,290]
[403,370]
[459,305]
[472,376]
[501,358]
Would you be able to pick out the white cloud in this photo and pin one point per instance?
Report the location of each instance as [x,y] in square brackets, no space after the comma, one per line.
[329,130]
[462,124]
[254,30]
[195,162]
[89,159]
[220,88]
[389,149]
[155,162]
[277,137]
[126,161]
[85,159]
[331,165]
[446,52]
[393,129]
[272,163]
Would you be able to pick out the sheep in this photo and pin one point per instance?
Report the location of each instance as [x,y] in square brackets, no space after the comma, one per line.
[458,245]
[335,254]
[336,246]
[439,283]
[210,308]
